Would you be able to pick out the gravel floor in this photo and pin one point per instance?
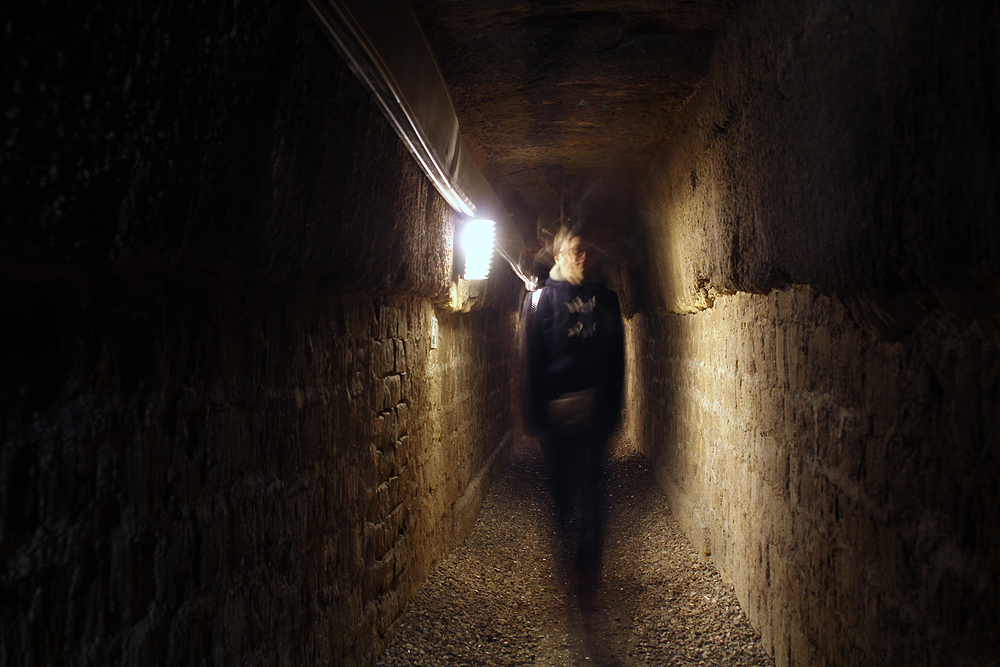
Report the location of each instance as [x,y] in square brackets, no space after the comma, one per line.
[500,599]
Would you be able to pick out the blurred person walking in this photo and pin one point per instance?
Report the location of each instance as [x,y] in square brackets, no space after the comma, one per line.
[575,356]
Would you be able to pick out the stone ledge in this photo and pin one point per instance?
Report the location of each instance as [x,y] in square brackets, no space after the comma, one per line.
[466,508]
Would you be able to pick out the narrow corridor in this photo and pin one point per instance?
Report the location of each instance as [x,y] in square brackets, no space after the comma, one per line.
[498,599]
[254,385]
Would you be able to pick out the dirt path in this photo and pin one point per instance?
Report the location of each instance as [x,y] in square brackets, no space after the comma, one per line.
[499,599]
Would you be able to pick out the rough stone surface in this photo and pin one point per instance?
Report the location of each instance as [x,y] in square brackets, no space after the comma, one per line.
[845,486]
[568,101]
[231,477]
[223,141]
[824,421]
[225,437]
[852,148]
[832,444]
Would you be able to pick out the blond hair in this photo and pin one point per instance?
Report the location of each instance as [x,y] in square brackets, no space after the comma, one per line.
[564,234]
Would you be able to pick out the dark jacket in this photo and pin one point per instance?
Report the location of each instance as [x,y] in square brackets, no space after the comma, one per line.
[573,340]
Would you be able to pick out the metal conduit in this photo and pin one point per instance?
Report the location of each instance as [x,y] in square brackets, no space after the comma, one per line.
[384,45]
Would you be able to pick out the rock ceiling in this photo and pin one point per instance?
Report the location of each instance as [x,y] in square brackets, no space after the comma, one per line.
[563,102]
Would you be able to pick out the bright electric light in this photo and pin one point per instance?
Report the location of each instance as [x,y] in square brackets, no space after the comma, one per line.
[477,244]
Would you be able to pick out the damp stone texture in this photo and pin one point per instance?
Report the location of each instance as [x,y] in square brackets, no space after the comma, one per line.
[815,368]
[226,438]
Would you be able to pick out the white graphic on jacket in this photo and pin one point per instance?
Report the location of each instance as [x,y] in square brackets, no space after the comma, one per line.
[578,305]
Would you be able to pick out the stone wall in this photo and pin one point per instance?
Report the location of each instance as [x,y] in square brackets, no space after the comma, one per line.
[845,486]
[226,438]
[849,147]
[239,475]
[817,370]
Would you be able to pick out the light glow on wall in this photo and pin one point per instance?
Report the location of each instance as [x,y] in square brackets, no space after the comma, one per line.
[477,239]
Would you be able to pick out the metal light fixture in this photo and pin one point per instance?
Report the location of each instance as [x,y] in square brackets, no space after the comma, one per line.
[385,47]
[477,239]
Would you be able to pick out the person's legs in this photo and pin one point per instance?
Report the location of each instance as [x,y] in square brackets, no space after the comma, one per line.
[559,465]
[577,472]
[593,480]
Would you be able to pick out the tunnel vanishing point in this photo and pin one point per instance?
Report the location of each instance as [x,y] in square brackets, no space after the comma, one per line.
[226,435]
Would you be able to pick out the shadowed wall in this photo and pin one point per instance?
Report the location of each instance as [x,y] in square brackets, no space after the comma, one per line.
[226,438]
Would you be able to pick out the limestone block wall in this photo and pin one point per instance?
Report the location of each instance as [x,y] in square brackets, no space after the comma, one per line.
[815,372]
[845,146]
[845,486]
[225,436]
[227,477]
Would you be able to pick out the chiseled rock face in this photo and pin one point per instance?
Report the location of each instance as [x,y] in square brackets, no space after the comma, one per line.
[226,438]
[819,386]
[842,484]
[848,148]
[564,102]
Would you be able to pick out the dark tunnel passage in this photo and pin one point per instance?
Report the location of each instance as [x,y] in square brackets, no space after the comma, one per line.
[247,403]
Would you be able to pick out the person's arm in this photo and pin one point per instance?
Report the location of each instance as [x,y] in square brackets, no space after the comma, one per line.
[536,362]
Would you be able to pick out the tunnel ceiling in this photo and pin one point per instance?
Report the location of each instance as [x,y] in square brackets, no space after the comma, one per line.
[565,102]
